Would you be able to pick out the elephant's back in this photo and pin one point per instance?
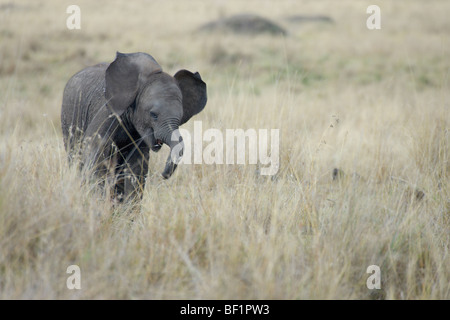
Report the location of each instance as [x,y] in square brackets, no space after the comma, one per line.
[82,98]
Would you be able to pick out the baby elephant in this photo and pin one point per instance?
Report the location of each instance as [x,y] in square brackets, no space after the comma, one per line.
[113,114]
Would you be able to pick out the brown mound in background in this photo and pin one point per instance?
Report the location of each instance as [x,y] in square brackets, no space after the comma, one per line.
[244,24]
[307,18]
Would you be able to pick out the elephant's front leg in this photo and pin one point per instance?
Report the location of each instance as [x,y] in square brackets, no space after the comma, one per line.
[131,173]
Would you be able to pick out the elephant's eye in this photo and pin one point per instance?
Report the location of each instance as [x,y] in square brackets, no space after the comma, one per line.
[154,115]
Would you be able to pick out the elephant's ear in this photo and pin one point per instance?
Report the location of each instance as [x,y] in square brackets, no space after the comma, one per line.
[194,93]
[125,76]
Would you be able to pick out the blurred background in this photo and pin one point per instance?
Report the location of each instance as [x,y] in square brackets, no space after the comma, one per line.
[255,55]
[373,104]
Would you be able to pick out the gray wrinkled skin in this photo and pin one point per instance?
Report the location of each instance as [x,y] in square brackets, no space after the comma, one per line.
[113,114]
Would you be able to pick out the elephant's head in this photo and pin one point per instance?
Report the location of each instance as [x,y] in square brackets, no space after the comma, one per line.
[160,102]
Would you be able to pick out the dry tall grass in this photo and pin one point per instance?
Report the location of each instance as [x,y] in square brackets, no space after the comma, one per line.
[373,103]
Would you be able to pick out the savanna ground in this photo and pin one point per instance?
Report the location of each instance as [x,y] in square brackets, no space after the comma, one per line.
[374,104]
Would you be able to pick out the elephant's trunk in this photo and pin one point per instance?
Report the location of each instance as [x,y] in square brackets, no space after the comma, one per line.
[176,145]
